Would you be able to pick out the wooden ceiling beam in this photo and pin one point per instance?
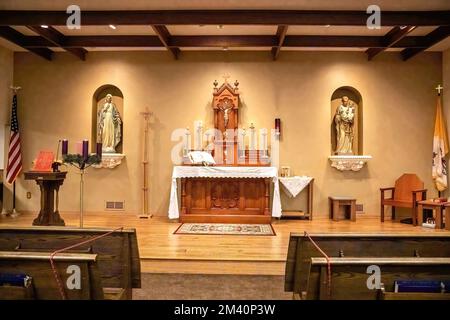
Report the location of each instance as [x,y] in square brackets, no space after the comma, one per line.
[281,35]
[392,37]
[19,39]
[225,17]
[59,40]
[224,41]
[164,36]
[428,41]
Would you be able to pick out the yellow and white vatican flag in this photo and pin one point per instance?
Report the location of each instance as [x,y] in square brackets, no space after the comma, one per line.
[440,149]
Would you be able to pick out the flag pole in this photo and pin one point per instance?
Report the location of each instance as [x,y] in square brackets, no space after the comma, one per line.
[14,213]
[439,88]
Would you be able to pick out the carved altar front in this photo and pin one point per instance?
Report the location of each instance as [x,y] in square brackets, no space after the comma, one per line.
[227,200]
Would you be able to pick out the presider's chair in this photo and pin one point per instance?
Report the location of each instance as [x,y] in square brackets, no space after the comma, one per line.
[408,190]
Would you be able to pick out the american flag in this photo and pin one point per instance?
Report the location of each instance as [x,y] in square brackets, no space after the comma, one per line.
[14,153]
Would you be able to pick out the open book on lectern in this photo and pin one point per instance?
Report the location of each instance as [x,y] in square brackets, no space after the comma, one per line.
[201,157]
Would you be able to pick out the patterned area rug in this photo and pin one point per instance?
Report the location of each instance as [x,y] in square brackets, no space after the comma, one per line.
[225,228]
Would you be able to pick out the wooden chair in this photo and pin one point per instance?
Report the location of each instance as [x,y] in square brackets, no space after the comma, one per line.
[408,190]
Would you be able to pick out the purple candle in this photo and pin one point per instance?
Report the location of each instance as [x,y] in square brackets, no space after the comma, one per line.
[278,125]
[85,149]
[99,149]
[65,147]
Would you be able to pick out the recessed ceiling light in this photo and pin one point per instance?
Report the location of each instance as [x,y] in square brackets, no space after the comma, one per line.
[44,26]
[220,26]
[327,25]
[225,48]
[112,26]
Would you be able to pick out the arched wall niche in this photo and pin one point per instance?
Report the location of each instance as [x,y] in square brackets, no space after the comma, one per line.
[356,100]
[98,100]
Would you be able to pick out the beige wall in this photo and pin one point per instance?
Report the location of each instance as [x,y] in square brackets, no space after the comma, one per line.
[6,80]
[398,98]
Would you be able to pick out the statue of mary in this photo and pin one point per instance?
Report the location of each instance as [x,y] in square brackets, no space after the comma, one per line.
[109,126]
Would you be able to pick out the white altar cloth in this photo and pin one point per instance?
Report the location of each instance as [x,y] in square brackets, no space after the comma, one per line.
[223,172]
[294,185]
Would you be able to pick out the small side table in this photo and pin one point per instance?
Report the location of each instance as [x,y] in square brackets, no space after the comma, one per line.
[348,203]
[49,183]
[439,208]
[292,187]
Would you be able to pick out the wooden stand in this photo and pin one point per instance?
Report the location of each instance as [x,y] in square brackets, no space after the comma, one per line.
[145,213]
[49,183]
[439,208]
[337,202]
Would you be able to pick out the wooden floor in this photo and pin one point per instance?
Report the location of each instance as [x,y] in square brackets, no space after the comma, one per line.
[162,251]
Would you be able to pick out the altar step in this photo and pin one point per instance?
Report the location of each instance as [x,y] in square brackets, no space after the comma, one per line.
[199,266]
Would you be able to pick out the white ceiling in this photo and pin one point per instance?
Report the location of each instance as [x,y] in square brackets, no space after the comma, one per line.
[229,4]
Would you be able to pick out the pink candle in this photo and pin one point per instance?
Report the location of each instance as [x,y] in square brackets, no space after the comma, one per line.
[79,148]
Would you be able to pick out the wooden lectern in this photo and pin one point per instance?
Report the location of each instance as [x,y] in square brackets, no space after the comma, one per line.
[49,183]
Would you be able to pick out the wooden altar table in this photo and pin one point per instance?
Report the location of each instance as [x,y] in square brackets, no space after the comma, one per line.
[225,194]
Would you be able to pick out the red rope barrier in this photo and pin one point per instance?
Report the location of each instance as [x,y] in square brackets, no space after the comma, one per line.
[328,262]
[55,271]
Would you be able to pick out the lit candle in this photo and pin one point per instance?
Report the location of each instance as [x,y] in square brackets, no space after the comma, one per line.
[79,148]
[252,137]
[85,149]
[65,147]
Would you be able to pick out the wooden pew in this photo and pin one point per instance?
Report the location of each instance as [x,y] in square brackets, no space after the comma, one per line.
[118,255]
[301,250]
[44,285]
[349,277]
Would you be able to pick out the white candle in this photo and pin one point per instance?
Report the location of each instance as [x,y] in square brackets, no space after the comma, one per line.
[263,139]
[252,137]
[187,143]
[198,135]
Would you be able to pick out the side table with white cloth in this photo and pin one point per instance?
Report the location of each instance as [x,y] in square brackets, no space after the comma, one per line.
[292,186]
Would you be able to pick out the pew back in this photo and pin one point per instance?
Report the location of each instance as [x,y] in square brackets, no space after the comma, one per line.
[349,277]
[301,250]
[44,284]
[118,255]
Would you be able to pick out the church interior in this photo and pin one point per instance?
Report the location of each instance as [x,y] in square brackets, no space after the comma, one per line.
[238,150]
